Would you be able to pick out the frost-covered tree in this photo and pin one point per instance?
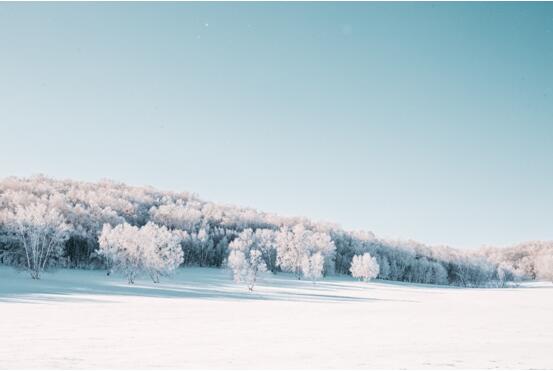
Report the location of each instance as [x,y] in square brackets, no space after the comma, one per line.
[290,245]
[207,229]
[523,260]
[439,274]
[266,240]
[183,215]
[245,259]
[40,231]
[504,274]
[131,250]
[301,251]
[385,267]
[364,266]
[544,267]
[312,266]
[164,253]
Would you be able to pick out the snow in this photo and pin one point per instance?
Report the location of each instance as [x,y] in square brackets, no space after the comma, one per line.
[201,319]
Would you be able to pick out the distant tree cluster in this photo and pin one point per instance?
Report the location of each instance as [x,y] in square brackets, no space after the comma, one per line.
[140,230]
[526,261]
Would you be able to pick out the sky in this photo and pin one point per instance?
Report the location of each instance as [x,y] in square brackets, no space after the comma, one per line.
[424,121]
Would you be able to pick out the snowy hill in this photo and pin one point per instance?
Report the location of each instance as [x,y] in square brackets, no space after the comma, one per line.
[200,319]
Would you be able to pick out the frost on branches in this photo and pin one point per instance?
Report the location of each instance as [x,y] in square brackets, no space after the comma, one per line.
[364,267]
[312,266]
[246,258]
[46,222]
[544,266]
[304,251]
[40,232]
[150,249]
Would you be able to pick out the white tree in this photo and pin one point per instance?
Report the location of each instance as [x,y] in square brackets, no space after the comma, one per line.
[164,252]
[246,259]
[40,230]
[178,215]
[300,250]
[121,247]
[312,266]
[267,242]
[319,248]
[364,267]
[131,250]
[544,266]
[504,274]
[290,245]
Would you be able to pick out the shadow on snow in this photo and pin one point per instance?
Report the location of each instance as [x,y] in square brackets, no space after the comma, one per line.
[188,283]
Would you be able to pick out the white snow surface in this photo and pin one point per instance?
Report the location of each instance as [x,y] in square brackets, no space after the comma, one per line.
[201,319]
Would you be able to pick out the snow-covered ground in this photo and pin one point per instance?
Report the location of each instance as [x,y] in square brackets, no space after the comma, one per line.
[200,319]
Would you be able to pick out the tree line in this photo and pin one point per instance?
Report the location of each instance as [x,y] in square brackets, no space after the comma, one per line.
[46,223]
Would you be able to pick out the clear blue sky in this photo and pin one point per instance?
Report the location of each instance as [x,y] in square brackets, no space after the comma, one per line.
[413,120]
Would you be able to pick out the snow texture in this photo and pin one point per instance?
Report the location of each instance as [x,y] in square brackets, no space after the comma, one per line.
[200,318]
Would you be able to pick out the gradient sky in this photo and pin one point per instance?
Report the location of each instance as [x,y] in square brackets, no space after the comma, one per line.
[431,121]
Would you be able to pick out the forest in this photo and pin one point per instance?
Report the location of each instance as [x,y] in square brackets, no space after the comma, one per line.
[47,223]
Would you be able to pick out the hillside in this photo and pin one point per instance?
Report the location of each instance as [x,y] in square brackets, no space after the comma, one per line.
[206,232]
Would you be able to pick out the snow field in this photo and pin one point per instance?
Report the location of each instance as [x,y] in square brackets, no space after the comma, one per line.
[201,319]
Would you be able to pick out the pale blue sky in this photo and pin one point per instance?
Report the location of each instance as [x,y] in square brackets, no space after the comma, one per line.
[413,120]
